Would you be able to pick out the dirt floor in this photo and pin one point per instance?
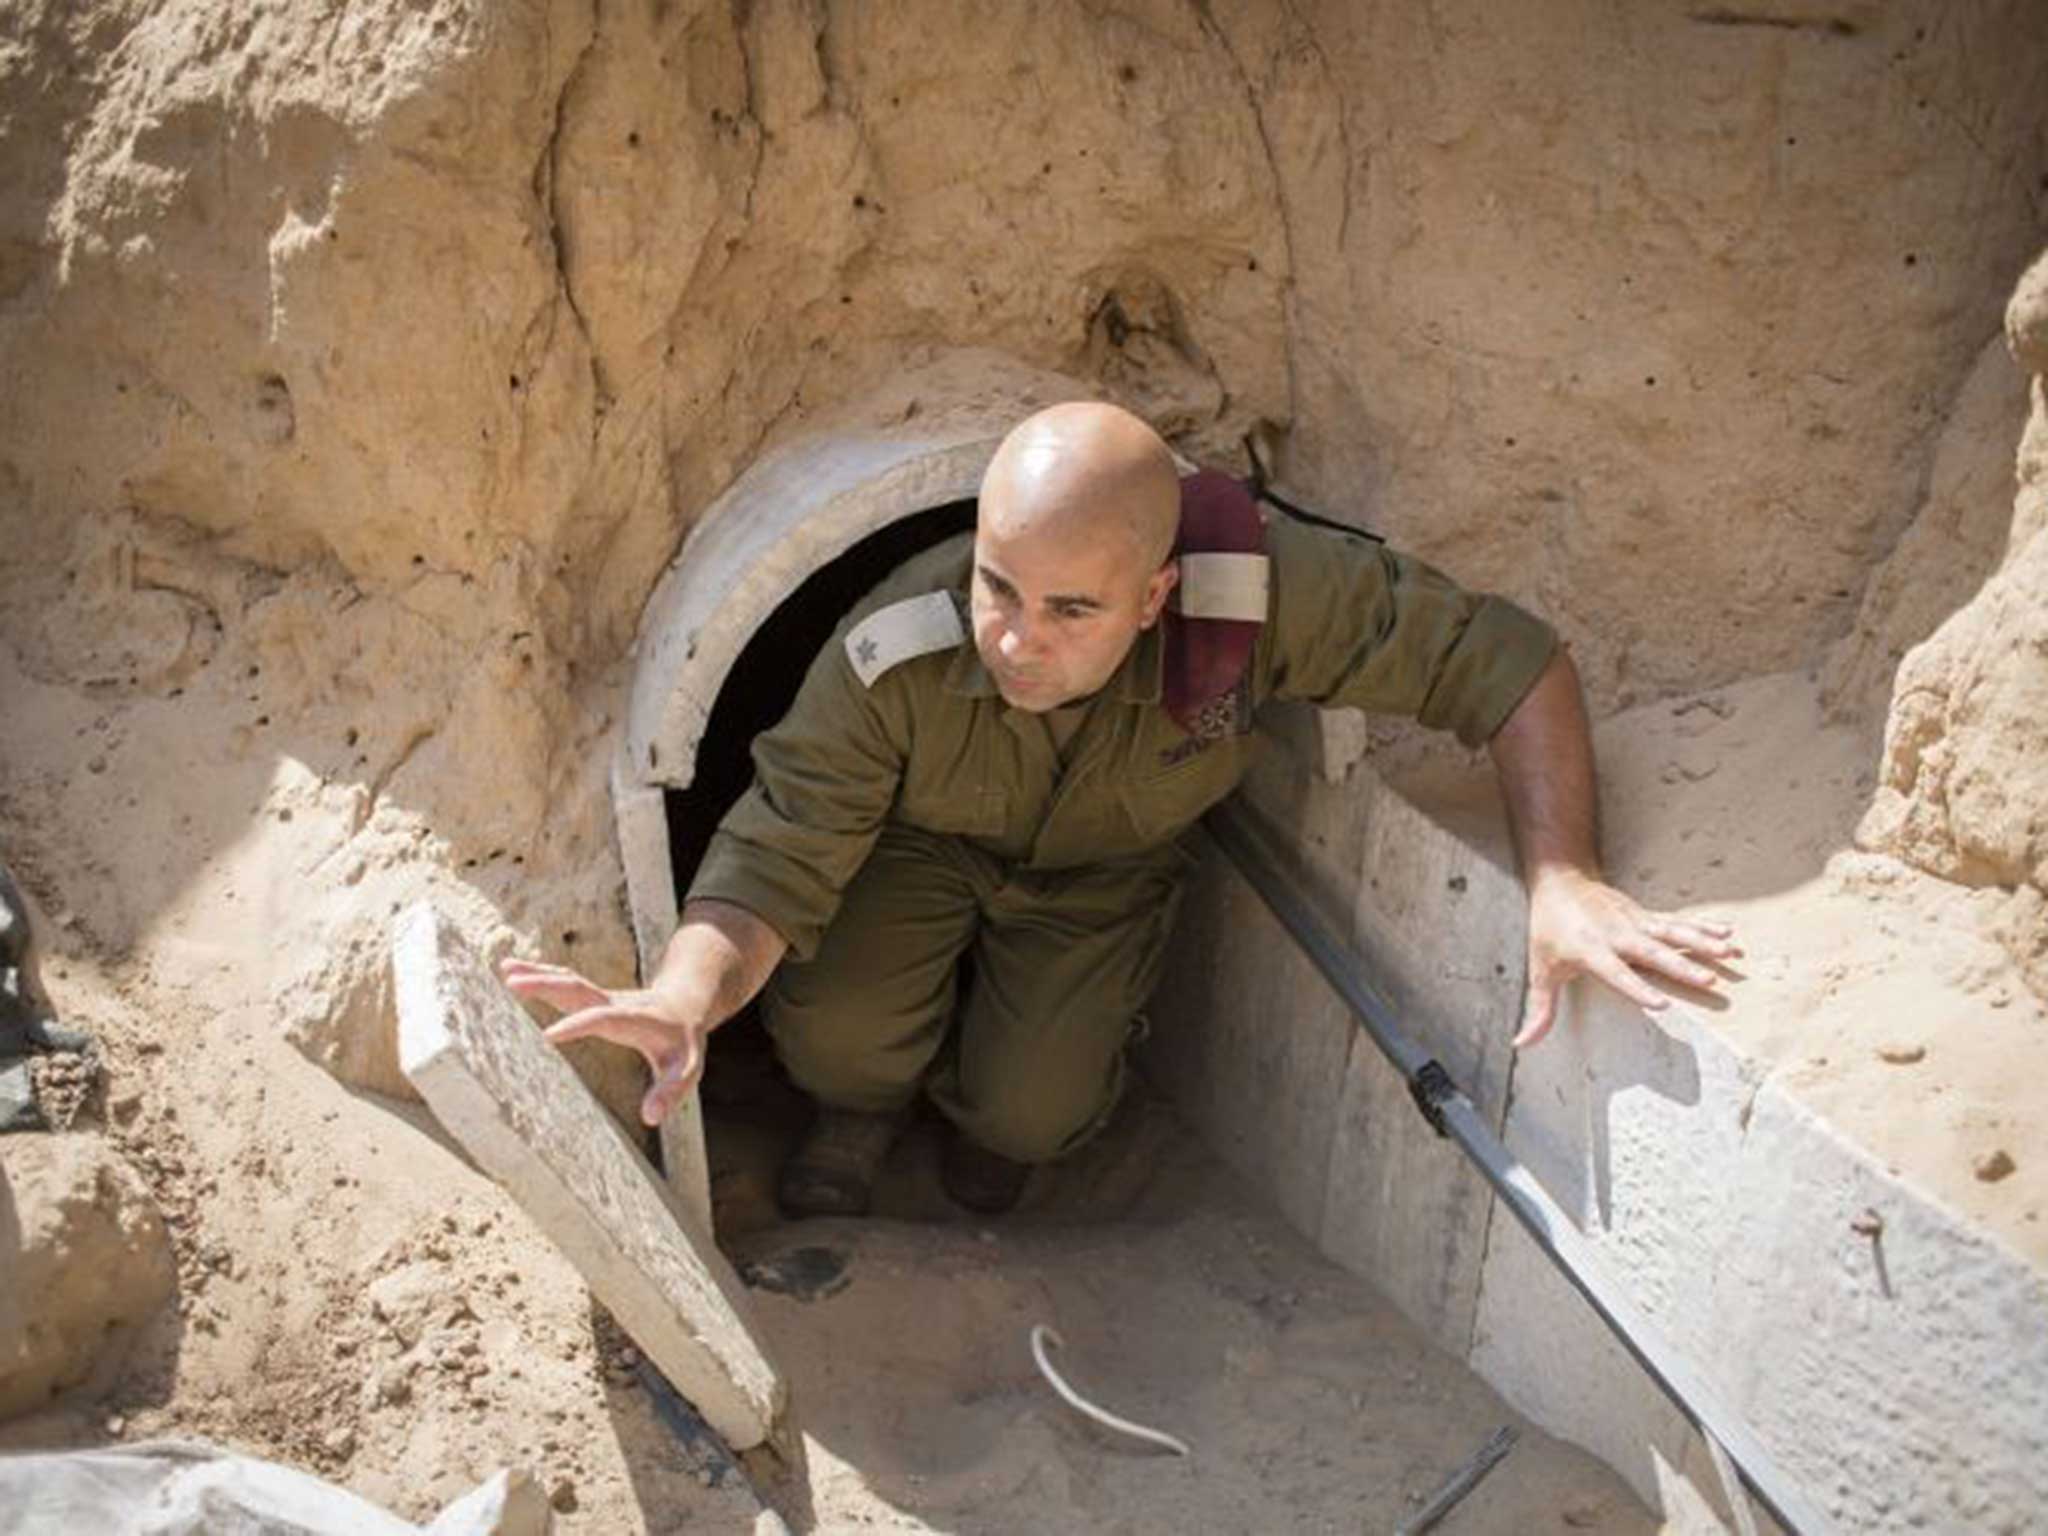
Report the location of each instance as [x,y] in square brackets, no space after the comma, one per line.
[353,1299]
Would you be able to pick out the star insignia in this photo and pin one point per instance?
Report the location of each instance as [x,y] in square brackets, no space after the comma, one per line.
[864,653]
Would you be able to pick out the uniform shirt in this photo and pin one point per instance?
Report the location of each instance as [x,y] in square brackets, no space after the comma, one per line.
[933,745]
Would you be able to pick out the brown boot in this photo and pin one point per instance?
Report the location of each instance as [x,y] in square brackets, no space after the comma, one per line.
[985,1182]
[833,1172]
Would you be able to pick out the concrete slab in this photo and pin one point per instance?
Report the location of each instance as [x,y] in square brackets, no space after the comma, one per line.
[1544,1349]
[1329,1130]
[1249,1043]
[1893,1359]
[1442,929]
[522,1113]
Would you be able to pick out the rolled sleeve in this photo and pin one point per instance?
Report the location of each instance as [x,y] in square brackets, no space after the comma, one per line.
[1495,662]
[1355,623]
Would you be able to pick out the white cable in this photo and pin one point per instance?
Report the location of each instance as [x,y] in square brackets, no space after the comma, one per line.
[1040,1337]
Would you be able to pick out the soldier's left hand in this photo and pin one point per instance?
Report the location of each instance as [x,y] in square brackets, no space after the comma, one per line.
[1581,926]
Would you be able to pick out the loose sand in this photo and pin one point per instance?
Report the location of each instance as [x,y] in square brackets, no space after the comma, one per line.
[352,1298]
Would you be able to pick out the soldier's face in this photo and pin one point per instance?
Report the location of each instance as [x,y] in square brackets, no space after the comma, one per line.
[1055,614]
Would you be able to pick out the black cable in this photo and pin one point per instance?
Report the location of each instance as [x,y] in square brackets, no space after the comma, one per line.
[1262,490]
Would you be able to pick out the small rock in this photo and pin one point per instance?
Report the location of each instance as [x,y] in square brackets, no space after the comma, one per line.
[340,1443]
[629,1357]
[1994,1165]
[1901,1053]
[563,1496]
[116,1425]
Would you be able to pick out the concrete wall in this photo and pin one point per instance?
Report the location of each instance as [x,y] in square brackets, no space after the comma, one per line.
[1902,1382]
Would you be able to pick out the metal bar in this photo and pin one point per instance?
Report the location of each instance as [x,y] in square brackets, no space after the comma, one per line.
[1460,1482]
[1454,1115]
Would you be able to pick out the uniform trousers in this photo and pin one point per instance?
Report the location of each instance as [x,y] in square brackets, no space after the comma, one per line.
[1061,963]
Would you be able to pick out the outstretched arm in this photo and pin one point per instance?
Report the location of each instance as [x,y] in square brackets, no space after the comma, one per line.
[1577,922]
[718,958]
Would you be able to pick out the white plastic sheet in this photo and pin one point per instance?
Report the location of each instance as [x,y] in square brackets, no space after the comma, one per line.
[183,1488]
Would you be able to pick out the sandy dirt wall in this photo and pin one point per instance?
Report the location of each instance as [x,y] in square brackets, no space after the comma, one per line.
[365,364]
[1647,314]
[397,347]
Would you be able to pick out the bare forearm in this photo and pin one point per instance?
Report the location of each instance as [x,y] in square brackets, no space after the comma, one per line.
[1578,924]
[717,959]
[1544,755]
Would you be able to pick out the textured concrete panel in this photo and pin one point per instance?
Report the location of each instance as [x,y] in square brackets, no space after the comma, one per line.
[1903,1377]
[1327,1127]
[1250,1044]
[1441,930]
[512,1100]
[1544,1349]
[1893,1359]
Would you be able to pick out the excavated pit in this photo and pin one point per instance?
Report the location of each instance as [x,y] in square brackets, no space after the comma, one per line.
[369,364]
[1184,1299]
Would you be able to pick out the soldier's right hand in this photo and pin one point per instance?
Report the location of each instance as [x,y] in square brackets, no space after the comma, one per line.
[649,1022]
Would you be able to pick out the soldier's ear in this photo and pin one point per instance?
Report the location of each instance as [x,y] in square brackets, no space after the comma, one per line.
[1163,582]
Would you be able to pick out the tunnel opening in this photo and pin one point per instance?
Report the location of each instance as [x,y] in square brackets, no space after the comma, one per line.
[764,680]
[748,1104]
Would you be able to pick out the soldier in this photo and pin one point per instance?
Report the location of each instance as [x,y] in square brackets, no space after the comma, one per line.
[997,757]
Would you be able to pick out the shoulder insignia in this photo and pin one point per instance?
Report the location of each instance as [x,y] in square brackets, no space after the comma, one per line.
[1217,585]
[913,627]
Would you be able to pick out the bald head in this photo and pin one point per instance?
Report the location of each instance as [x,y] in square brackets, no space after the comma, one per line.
[1085,472]
[1079,509]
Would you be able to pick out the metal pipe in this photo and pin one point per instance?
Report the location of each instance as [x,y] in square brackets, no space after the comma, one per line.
[1452,1114]
[1460,1482]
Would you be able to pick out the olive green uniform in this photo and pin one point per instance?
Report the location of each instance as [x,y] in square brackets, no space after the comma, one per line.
[899,823]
